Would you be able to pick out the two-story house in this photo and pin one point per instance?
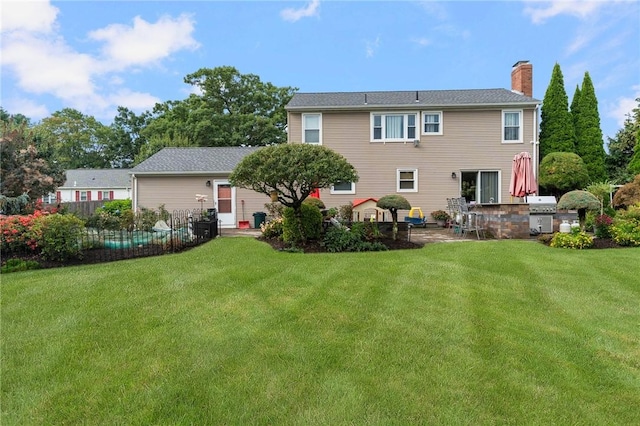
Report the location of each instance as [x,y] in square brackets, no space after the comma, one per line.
[427,145]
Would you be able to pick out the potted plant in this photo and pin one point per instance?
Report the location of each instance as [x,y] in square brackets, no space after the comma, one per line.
[440,217]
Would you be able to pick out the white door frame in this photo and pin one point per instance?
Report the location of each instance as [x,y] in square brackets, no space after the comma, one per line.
[227,220]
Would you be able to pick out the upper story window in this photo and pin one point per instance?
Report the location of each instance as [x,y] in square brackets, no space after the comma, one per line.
[432,123]
[393,127]
[511,126]
[343,188]
[312,128]
[407,180]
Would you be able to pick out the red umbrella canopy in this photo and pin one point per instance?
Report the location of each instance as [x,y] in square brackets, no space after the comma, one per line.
[522,180]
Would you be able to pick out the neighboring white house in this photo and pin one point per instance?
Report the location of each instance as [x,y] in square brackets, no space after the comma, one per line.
[93,185]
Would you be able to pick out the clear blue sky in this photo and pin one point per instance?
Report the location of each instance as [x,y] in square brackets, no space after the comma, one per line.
[95,55]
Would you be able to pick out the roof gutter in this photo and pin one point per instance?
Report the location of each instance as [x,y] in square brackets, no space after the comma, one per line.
[370,107]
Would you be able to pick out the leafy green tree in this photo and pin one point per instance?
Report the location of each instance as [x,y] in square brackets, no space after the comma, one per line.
[231,109]
[581,201]
[75,140]
[157,142]
[292,172]
[561,172]
[589,145]
[126,138]
[24,170]
[556,126]
[393,203]
[621,148]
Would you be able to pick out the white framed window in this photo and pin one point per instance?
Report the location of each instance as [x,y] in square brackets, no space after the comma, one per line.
[393,127]
[106,195]
[407,180]
[481,186]
[84,195]
[343,188]
[312,128]
[512,126]
[432,123]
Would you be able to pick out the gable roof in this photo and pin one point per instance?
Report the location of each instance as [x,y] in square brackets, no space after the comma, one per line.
[194,160]
[407,99]
[97,178]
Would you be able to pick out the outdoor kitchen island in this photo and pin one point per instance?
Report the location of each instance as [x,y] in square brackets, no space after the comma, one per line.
[513,220]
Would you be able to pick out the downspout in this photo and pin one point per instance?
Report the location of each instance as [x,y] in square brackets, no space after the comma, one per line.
[535,143]
[135,192]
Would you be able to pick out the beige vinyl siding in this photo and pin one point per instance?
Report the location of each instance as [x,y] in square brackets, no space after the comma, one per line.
[471,140]
[179,193]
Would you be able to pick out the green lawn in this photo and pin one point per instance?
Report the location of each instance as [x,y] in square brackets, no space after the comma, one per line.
[232,332]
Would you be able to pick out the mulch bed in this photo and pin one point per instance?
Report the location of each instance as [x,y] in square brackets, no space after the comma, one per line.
[316,246]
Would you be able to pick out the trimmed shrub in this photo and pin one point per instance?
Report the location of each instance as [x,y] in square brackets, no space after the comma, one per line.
[313,201]
[60,237]
[311,222]
[17,265]
[273,228]
[576,239]
[338,240]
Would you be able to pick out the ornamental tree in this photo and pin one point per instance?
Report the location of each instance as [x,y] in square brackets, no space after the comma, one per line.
[291,172]
[561,172]
[393,203]
[628,194]
[581,201]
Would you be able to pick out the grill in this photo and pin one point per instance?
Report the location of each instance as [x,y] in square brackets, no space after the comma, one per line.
[541,210]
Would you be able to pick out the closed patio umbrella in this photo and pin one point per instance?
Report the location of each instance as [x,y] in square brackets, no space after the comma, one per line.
[522,180]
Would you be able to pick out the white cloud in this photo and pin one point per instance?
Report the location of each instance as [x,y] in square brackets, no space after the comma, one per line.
[371,46]
[544,10]
[42,63]
[421,41]
[26,107]
[435,9]
[293,15]
[624,106]
[68,73]
[32,16]
[143,42]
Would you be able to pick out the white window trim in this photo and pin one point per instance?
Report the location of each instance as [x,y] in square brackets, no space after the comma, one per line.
[422,124]
[415,180]
[350,191]
[520,126]
[304,134]
[406,126]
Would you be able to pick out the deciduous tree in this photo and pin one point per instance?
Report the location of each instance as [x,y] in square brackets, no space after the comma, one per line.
[561,172]
[292,172]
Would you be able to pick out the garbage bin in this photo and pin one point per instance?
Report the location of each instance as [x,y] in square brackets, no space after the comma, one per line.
[258,219]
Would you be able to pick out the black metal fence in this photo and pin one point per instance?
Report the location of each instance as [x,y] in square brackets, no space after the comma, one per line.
[152,236]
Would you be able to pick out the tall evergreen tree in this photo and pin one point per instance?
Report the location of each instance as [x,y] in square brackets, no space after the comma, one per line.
[556,127]
[575,108]
[621,148]
[589,141]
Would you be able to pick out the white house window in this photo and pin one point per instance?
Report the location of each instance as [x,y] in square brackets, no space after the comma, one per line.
[343,188]
[432,123]
[312,128]
[511,126]
[393,127]
[84,196]
[407,180]
[481,186]
[105,195]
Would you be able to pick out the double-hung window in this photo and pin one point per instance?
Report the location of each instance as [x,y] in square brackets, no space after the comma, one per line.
[512,126]
[407,180]
[312,128]
[393,127]
[432,123]
[343,188]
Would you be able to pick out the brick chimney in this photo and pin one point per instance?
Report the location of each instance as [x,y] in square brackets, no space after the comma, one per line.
[522,78]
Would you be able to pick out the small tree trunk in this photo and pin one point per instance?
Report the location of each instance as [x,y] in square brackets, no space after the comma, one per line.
[394,218]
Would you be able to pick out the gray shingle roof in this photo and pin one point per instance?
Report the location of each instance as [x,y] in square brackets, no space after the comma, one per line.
[194,160]
[97,178]
[426,98]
